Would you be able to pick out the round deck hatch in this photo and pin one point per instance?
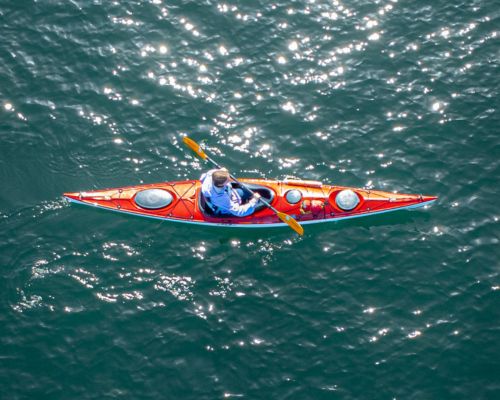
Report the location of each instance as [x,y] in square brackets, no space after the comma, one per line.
[293,196]
[153,199]
[347,200]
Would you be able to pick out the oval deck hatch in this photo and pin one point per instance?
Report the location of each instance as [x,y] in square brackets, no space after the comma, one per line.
[347,200]
[293,196]
[153,199]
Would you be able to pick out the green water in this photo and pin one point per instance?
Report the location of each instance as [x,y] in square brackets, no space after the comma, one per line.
[395,95]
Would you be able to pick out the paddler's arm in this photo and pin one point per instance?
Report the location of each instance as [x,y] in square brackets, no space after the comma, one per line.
[246,209]
[206,182]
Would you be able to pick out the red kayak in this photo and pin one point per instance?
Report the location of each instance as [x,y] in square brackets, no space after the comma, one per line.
[308,202]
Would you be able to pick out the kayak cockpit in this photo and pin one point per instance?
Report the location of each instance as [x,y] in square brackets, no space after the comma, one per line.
[266,193]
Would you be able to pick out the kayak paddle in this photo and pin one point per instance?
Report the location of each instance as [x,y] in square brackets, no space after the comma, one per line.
[287,219]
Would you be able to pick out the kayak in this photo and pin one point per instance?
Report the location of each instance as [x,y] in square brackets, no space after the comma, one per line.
[308,202]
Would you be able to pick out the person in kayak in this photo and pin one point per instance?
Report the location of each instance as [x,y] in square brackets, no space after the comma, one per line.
[222,198]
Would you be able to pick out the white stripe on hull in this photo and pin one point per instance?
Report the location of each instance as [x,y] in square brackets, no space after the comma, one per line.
[275,225]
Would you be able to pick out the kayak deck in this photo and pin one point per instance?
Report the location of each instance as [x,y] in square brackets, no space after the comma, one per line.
[318,202]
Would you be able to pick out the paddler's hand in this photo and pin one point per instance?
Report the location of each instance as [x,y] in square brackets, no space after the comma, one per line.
[255,199]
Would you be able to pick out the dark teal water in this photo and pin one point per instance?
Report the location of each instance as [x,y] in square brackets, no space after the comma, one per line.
[395,95]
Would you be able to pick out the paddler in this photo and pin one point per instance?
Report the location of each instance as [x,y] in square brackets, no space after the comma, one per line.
[222,199]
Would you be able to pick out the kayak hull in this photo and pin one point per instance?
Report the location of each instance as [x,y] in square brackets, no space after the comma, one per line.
[317,203]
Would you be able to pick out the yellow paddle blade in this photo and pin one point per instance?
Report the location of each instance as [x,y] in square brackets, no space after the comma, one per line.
[194,146]
[291,223]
